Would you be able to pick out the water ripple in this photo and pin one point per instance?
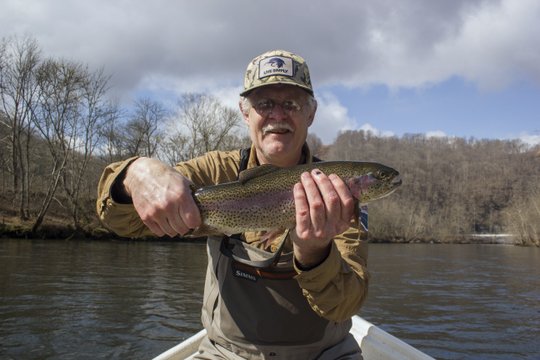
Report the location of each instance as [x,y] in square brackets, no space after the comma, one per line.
[118,300]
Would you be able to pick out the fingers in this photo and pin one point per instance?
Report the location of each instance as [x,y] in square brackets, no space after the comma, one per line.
[184,216]
[172,224]
[163,221]
[189,212]
[172,220]
[347,200]
[323,202]
[303,220]
[154,227]
[324,205]
[178,216]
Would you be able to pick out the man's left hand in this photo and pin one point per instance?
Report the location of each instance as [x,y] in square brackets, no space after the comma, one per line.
[324,209]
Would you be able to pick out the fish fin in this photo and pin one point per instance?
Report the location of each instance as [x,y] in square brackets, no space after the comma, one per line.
[193,188]
[256,172]
[269,237]
[202,231]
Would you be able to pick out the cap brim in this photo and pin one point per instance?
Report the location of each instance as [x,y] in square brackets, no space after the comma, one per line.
[247,91]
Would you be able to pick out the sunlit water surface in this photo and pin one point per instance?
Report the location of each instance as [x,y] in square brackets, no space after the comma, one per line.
[133,300]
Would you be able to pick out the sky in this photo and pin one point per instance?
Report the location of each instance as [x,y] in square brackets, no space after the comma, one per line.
[455,68]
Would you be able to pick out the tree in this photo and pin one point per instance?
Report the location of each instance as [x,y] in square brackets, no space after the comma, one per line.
[91,116]
[112,136]
[143,132]
[174,148]
[19,59]
[62,87]
[201,124]
[316,145]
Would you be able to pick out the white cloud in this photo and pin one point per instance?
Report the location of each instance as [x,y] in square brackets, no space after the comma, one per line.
[529,139]
[492,47]
[168,47]
[367,127]
[331,118]
[210,42]
[436,134]
[228,96]
[170,88]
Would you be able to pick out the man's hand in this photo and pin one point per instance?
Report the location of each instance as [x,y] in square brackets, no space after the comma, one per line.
[324,209]
[162,197]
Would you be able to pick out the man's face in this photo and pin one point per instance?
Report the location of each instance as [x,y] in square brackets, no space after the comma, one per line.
[278,121]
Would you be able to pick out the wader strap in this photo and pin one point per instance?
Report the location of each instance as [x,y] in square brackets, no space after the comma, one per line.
[227,250]
[244,159]
[263,273]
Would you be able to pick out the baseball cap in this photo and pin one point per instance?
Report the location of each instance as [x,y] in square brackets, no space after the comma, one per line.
[277,67]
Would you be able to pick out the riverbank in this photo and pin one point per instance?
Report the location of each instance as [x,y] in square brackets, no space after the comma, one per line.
[498,239]
[56,228]
[51,229]
[57,224]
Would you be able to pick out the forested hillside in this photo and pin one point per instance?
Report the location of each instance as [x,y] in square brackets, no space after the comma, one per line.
[452,187]
[58,130]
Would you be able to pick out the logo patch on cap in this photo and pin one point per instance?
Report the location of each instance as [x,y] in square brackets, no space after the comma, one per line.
[276,65]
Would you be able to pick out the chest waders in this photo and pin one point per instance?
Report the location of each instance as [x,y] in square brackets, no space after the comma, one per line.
[253,307]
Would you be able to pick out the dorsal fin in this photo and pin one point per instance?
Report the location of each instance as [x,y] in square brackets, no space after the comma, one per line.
[256,172]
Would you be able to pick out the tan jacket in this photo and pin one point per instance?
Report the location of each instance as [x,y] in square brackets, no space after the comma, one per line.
[335,289]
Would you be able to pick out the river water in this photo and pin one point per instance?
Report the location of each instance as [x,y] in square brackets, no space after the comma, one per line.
[133,300]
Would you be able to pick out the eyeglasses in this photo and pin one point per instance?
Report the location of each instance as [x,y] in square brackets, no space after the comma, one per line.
[265,106]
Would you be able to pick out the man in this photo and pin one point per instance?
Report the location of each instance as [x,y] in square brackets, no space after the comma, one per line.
[290,297]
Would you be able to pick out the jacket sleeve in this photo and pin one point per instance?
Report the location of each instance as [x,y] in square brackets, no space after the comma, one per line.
[122,218]
[118,217]
[337,288]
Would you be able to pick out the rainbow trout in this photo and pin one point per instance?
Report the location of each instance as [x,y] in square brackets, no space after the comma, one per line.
[262,198]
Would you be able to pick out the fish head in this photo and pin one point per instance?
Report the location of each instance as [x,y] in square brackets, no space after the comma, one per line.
[374,183]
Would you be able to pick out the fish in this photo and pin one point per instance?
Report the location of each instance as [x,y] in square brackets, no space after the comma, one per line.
[262,198]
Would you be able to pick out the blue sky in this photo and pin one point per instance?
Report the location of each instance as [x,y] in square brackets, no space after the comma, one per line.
[465,68]
[450,108]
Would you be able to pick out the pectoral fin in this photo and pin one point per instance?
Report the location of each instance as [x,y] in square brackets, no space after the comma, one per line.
[269,237]
[256,172]
[203,231]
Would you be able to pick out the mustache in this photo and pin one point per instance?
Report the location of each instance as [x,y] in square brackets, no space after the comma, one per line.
[279,126]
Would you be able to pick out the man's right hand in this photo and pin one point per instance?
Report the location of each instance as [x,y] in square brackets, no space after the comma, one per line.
[162,197]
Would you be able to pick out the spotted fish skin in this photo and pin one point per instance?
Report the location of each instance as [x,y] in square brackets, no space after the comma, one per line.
[262,198]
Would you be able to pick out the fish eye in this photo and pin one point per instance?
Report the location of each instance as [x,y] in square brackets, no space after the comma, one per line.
[381,174]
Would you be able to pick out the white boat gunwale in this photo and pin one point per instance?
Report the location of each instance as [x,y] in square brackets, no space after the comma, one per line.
[375,344]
